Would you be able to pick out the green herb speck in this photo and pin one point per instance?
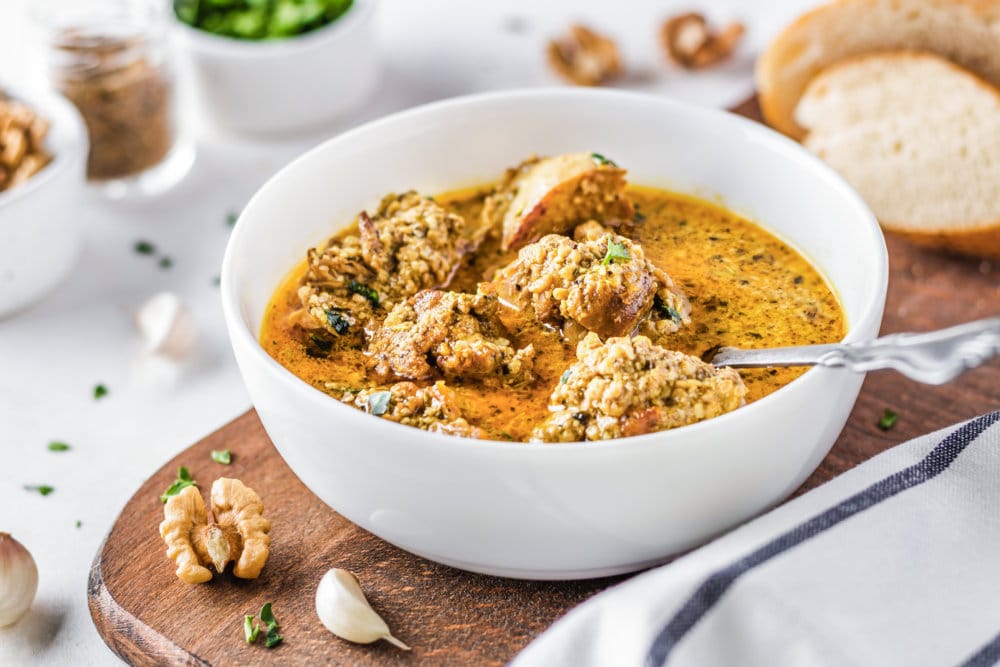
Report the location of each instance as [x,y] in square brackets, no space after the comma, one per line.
[616,252]
[231,218]
[337,321]
[600,159]
[144,247]
[250,631]
[272,638]
[363,290]
[100,391]
[223,456]
[40,489]
[182,482]
[166,262]
[888,420]
[57,446]
[78,523]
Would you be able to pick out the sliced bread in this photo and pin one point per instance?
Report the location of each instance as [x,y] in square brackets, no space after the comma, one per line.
[919,138]
[964,31]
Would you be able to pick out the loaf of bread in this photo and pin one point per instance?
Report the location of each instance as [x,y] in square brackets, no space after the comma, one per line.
[919,138]
[966,32]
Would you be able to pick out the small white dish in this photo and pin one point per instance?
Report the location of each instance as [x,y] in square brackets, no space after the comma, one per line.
[553,511]
[287,85]
[40,228]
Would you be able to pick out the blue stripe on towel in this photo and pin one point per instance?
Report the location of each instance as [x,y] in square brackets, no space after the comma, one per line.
[715,586]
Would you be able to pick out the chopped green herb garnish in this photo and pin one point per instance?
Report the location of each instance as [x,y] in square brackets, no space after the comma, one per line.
[78,523]
[58,447]
[231,218]
[638,217]
[507,436]
[166,262]
[41,489]
[616,251]
[600,159]
[223,456]
[565,376]
[337,321]
[250,630]
[272,638]
[363,290]
[100,391]
[216,280]
[888,420]
[259,19]
[378,403]
[667,309]
[182,482]
[144,247]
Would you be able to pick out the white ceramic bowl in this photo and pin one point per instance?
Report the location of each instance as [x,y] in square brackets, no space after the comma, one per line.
[40,228]
[279,86]
[553,511]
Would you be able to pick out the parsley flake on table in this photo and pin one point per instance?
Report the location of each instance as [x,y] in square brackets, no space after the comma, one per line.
[57,446]
[250,630]
[41,489]
[223,456]
[231,218]
[78,523]
[616,251]
[888,420]
[166,262]
[144,248]
[182,482]
[100,391]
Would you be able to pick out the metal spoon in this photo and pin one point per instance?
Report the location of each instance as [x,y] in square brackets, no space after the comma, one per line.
[934,357]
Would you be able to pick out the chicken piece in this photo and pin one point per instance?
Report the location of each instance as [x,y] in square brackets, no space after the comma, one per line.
[432,408]
[551,195]
[629,386]
[603,284]
[410,243]
[447,334]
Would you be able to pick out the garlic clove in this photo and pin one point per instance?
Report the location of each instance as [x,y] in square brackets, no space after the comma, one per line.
[344,610]
[18,580]
[167,326]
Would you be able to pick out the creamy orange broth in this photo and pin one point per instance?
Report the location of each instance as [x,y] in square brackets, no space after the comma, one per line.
[747,288]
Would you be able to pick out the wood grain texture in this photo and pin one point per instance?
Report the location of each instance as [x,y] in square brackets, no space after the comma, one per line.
[149,617]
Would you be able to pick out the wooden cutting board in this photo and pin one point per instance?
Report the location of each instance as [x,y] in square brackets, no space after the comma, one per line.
[147,616]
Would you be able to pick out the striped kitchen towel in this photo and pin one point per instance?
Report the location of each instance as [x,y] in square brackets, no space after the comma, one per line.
[896,562]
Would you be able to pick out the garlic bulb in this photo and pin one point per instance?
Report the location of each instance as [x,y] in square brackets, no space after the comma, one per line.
[167,326]
[344,610]
[18,580]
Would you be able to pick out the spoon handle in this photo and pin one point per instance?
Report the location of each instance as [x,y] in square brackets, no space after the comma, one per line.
[934,357]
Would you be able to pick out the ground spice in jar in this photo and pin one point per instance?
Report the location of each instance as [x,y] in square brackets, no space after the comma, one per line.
[124,98]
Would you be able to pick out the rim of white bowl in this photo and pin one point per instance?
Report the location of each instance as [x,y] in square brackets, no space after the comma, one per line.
[66,139]
[358,14]
[872,310]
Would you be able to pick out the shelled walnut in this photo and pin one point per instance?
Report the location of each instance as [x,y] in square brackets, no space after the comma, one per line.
[584,57]
[690,42]
[22,148]
[236,533]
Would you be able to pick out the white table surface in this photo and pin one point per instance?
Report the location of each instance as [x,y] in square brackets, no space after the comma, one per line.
[52,355]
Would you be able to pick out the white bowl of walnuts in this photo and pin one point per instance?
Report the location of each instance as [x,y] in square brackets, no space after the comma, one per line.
[43,153]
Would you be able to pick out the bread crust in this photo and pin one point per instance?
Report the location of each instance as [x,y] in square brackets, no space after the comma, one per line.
[817,40]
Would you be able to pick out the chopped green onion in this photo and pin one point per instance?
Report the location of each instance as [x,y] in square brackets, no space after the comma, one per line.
[888,420]
[222,456]
[58,447]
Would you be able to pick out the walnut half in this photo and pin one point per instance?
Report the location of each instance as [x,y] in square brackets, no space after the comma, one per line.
[237,532]
[691,44]
[584,57]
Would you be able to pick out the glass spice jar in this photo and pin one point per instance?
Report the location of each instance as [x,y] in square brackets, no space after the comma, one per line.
[110,58]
